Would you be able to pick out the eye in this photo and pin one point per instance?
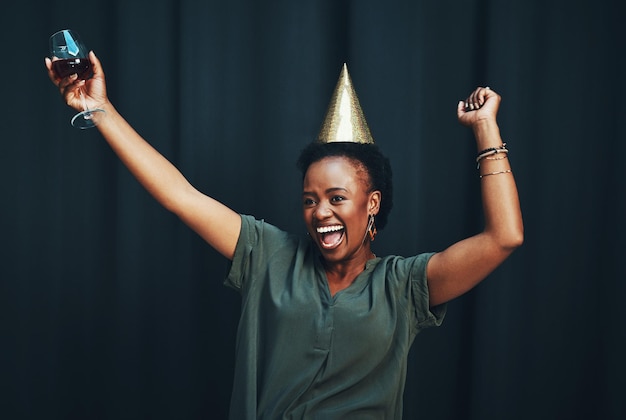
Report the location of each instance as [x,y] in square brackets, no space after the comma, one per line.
[308,202]
[337,199]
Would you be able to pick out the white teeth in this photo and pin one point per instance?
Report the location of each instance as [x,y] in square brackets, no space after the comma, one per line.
[326,229]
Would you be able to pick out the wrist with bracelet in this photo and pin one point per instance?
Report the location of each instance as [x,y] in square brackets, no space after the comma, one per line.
[493,153]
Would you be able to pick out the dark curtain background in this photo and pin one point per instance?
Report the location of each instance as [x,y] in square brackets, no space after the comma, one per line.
[110,308]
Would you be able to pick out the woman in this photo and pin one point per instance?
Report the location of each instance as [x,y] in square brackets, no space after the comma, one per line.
[326,325]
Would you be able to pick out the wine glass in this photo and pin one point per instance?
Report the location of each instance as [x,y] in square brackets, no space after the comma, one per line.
[70,56]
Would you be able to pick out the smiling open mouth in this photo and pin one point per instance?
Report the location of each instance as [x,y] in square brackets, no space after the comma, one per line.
[331,236]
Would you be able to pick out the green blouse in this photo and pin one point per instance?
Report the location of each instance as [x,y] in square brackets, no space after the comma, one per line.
[304,354]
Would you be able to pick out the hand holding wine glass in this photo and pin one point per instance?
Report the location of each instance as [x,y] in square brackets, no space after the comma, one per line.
[77,74]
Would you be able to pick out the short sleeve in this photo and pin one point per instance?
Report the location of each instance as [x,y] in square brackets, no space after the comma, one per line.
[258,243]
[241,258]
[424,314]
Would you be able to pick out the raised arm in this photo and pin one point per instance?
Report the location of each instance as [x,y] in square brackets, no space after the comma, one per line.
[212,220]
[460,267]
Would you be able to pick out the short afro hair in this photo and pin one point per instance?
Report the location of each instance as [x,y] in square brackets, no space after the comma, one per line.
[372,159]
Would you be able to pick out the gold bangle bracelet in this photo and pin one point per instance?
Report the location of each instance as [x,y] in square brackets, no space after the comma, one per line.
[504,156]
[508,171]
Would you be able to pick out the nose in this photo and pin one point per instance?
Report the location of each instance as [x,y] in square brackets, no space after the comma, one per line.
[322,211]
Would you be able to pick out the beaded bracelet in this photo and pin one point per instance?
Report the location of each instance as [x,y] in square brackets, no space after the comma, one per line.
[490,151]
[495,157]
[508,171]
[492,158]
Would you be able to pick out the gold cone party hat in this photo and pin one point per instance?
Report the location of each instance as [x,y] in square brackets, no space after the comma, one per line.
[344,120]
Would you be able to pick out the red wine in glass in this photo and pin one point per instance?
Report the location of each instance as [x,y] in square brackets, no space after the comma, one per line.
[70,56]
[67,67]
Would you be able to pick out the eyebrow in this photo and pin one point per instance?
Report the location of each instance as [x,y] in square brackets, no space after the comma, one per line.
[327,191]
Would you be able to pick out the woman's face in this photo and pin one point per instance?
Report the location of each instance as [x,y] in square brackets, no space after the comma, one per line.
[336,206]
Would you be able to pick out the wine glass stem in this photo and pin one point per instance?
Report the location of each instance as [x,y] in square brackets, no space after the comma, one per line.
[87,114]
